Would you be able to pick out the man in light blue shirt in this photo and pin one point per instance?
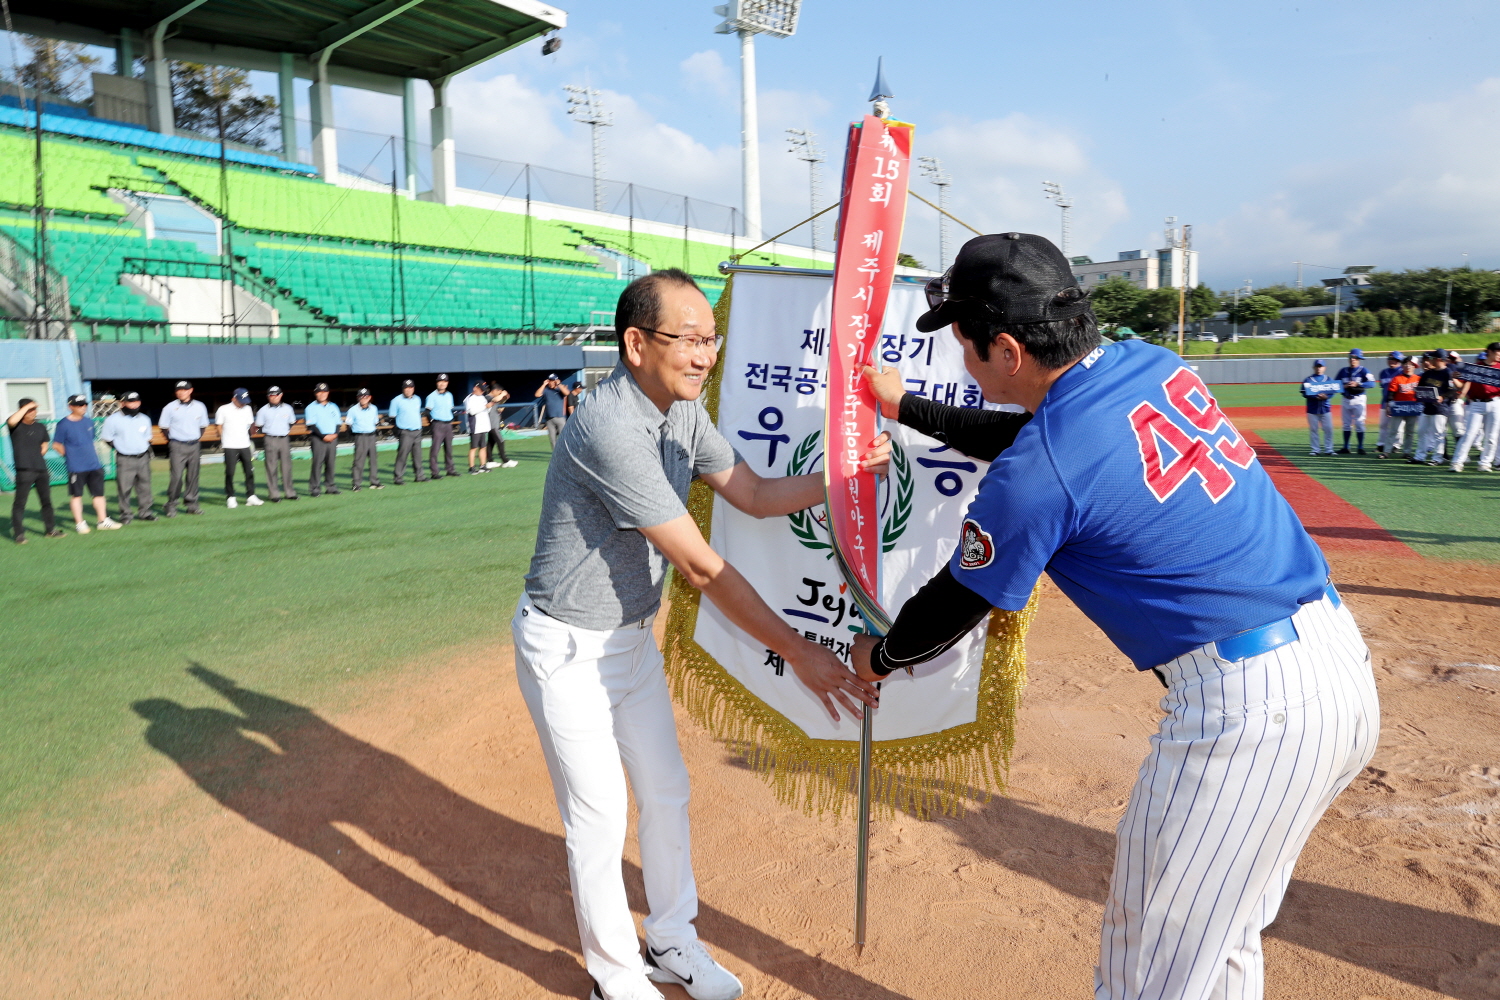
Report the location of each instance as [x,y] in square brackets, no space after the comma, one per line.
[323,419]
[406,411]
[183,421]
[439,405]
[275,421]
[363,418]
[128,431]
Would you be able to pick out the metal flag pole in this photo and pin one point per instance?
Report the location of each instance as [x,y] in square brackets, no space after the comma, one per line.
[862,846]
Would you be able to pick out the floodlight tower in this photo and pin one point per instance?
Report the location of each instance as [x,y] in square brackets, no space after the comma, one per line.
[932,169]
[803,144]
[584,106]
[748,18]
[1053,192]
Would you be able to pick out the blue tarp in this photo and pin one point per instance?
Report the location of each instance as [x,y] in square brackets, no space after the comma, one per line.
[108,131]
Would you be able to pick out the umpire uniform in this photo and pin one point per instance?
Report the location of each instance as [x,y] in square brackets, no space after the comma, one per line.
[128,431]
[439,405]
[322,419]
[183,421]
[275,420]
[406,413]
[1270,706]
[363,419]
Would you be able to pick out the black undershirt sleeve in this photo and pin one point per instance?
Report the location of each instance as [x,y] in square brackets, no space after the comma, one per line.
[981,434]
[937,616]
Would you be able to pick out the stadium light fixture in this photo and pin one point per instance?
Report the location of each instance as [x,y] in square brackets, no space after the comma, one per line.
[803,144]
[1053,192]
[584,106]
[932,169]
[551,45]
[748,18]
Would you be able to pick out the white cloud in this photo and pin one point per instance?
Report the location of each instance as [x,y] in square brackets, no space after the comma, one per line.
[706,70]
[1420,190]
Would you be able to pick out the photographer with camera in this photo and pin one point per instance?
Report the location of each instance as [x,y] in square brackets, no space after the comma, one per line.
[554,397]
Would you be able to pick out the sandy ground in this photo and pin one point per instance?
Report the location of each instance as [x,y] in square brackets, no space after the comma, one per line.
[410,847]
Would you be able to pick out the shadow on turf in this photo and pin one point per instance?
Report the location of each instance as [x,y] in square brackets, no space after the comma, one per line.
[324,776]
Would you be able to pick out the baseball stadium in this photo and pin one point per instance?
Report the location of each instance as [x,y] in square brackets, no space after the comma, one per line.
[372,717]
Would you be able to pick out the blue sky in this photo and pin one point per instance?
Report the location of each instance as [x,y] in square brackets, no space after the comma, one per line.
[1334,132]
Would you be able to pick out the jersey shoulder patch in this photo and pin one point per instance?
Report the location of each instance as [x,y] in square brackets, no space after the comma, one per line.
[976,547]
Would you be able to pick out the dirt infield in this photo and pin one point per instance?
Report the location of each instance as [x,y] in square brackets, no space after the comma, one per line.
[409,847]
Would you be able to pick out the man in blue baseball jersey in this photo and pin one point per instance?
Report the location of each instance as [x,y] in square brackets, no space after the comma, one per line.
[406,413]
[1354,378]
[1271,705]
[1319,410]
[439,405]
[322,419]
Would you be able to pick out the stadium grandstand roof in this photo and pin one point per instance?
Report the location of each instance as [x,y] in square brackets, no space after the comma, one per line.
[390,39]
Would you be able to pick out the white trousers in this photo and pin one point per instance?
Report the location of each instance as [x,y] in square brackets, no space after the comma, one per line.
[1434,436]
[1385,429]
[1354,413]
[1482,432]
[1403,431]
[600,700]
[1247,759]
[1320,422]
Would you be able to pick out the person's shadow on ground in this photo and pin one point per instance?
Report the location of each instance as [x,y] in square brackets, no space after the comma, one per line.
[323,776]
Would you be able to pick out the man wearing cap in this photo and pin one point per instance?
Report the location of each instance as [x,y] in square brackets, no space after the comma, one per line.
[73,439]
[275,420]
[613,516]
[477,410]
[495,448]
[128,432]
[1271,704]
[1435,389]
[28,446]
[322,419]
[1482,403]
[1354,378]
[554,397]
[1317,390]
[235,419]
[363,418]
[406,412]
[1391,370]
[1454,409]
[1404,411]
[183,421]
[439,404]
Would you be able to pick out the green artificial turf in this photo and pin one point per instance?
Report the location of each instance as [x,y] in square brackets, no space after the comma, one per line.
[1437,512]
[1258,394]
[297,598]
[1376,347]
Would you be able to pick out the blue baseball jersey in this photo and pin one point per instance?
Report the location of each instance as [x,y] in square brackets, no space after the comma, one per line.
[1384,378]
[1355,373]
[1140,500]
[1317,401]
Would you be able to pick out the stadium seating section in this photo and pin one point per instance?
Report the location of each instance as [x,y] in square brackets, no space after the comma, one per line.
[331,246]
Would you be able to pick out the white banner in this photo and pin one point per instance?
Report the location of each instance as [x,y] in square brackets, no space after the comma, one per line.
[771,406]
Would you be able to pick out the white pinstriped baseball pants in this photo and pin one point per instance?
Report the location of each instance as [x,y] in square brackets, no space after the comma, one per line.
[1246,761]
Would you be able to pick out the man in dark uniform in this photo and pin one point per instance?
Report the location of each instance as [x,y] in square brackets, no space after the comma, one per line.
[28,444]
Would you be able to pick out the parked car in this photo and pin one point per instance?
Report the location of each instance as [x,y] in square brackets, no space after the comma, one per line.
[1206,338]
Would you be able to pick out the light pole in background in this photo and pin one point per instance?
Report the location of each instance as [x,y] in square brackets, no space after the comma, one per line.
[1053,192]
[932,169]
[1249,290]
[803,144]
[584,106]
[748,18]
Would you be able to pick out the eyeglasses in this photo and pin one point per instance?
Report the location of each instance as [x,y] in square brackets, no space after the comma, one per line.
[686,343]
[938,291]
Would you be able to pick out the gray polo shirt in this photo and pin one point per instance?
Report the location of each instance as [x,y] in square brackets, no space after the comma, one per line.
[184,422]
[620,464]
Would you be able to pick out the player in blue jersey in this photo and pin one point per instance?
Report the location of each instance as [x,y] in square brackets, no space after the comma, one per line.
[1355,378]
[1319,411]
[1270,707]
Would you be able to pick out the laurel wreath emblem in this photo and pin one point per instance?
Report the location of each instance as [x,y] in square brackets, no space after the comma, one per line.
[806,527]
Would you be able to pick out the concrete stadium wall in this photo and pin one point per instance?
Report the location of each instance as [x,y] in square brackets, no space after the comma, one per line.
[50,359]
[1229,372]
[174,361]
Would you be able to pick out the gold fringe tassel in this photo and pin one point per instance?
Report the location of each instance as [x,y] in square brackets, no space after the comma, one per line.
[924,775]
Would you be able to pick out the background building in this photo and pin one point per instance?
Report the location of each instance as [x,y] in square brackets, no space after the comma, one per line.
[1145,269]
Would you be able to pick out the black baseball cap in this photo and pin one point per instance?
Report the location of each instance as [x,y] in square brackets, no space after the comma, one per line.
[363,393]
[184,384]
[1009,278]
[321,387]
[78,400]
[131,397]
[442,378]
[275,390]
[408,382]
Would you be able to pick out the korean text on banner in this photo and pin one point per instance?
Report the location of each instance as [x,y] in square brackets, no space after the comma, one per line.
[876,164]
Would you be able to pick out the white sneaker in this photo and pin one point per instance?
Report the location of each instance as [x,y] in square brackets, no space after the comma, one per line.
[233,503]
[645,991]
[492,465]
[254,501]
[509,465]
[80,527]
[109,524]
[695,970]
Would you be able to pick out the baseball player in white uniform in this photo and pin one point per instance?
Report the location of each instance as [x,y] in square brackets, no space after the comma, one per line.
[1355,378]
[1270,709]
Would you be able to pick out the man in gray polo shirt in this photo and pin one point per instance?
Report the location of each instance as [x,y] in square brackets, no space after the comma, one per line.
[275,421]
[613,515]
[183,421]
